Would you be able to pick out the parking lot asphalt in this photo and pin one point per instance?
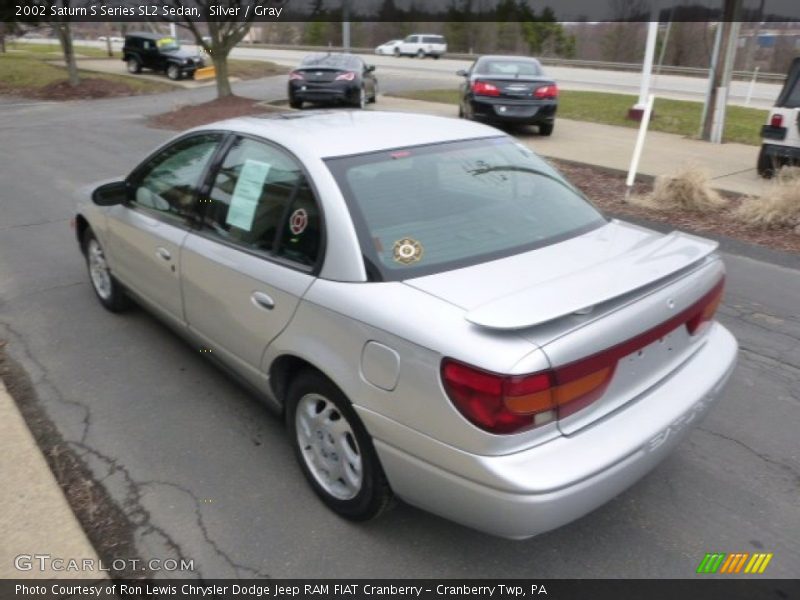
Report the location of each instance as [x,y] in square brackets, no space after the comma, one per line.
[205,473]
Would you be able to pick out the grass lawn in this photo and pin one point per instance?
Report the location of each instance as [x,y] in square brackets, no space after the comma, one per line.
[253,69]
[26,49]
[670,116]
[27,75]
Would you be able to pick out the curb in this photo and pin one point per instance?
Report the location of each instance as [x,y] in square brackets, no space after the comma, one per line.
[36,518]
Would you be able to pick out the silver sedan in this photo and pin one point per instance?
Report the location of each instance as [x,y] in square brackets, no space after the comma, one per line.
[436,312]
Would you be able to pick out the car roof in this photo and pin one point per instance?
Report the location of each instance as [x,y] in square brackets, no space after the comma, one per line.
[147,35]
[330,133]
[508,57]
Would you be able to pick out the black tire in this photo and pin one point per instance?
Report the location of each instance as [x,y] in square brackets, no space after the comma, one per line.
[397,52]
[174,72]
[374,495]
[296,104]
[766,165]
[546,129]
[420,53]
[374,98]
[361,100]
[134,66]
[112,297]
[460,111]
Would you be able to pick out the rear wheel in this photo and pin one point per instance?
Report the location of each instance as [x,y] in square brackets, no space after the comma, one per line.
[334,450]
[546,129]
[108,290]
[766,164]
[134,66]
[173,72]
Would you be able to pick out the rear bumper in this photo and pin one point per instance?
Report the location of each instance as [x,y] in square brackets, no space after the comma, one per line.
[780,151]
[527,493]
[329,92]
[513,111]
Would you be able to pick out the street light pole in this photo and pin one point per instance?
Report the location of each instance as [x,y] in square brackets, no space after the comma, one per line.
[346,25]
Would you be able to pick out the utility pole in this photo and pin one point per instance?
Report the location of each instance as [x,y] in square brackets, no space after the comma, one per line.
[717,98]
[346,25]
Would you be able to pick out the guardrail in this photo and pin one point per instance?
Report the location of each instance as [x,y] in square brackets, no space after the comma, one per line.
[558,62]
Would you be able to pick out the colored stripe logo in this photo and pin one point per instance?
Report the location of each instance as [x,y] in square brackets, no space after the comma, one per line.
[736,562]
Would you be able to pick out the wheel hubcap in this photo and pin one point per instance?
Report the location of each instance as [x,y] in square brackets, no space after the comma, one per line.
[329,446]
[98,270]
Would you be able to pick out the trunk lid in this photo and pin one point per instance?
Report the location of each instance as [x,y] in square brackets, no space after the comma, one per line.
[516,88]
[592,294]
[529,289]
[320,74]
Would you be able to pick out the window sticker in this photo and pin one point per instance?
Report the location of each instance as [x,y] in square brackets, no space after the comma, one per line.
[408,251]
[167,41]
[242,211]
[298,221]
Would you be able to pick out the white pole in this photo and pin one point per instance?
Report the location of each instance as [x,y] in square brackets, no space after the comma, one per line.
[637,149]
[751,86]
[647,67]
[173,31]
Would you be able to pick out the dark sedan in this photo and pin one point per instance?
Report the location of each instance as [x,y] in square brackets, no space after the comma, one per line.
[333,79]
[511,89]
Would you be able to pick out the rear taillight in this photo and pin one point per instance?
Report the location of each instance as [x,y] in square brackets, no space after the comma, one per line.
[509,403]
[482,88]
[294,75]
[546,92]
[776,121]
[349,76]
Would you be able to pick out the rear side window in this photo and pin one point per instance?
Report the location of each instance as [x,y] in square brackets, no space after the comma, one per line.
[427,209]
[433,39]
[511,68]
[260,199]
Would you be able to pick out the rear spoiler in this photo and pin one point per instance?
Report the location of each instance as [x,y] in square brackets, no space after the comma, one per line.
[585,289]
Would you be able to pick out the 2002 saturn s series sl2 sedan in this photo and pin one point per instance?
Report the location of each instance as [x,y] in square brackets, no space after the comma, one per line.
[436,311]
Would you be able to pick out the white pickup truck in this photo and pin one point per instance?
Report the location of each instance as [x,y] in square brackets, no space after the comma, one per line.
[421,45]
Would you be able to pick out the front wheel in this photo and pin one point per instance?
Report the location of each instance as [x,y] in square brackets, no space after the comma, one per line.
[134,66]
[420,54]
[173,72]
[296,104]
[106,287]
[334,450]
[361,102]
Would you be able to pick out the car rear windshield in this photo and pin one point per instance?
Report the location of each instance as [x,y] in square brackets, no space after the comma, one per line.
[511,68]
[427,209]
[332,61]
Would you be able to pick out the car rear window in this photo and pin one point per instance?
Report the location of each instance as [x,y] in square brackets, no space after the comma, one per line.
[333,61]
[510,68]
[426,209]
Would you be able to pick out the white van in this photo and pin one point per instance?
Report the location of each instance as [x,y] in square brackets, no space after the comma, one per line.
[422,45]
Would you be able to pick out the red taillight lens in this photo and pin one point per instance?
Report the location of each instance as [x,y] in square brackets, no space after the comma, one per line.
[546,92]
[482,88]
[776,121]
[295,75]
[349,76]
[510,403]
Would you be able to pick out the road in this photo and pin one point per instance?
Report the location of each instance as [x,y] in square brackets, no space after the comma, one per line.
[205,473]
[431,73]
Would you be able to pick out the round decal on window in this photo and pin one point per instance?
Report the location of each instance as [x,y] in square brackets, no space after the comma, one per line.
[407,251]
[298,221]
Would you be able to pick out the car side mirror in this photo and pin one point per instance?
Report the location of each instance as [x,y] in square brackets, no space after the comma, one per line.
[370,68]
[462,73]
[111,194]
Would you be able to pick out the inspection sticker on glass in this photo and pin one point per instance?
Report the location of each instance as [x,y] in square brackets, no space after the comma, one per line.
[246,194]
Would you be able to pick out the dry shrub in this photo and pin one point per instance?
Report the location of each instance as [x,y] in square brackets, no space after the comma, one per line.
[689,189]
[778,207]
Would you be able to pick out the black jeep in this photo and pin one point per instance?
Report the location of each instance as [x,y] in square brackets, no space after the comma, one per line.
[159,53]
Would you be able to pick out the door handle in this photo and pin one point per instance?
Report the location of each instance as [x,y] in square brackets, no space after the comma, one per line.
[262,300]
[162,252]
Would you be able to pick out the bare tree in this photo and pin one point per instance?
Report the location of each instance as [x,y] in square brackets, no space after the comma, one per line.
[224,32]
